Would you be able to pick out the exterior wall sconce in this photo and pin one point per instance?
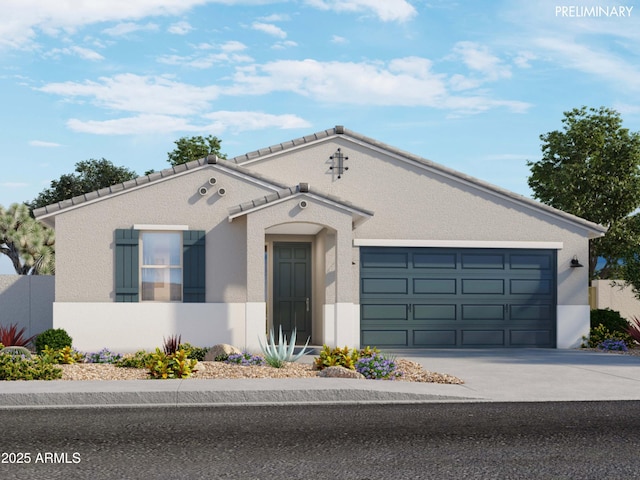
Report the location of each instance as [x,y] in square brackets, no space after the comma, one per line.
[575,262]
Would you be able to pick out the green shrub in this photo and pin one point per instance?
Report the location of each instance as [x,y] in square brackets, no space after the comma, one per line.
[610,319]
[342,357]
[600,333]
[54,338]
[66,355]
[196,353]
[137,360]
[174,365]
[14,367]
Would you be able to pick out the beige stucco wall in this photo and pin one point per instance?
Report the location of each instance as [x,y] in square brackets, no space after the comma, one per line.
[615,295]
[410,202]
[85,235]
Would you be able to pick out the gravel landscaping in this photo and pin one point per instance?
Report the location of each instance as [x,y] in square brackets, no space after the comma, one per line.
[413,372]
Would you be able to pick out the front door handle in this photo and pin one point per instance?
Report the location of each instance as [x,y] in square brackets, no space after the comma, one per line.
[307,301]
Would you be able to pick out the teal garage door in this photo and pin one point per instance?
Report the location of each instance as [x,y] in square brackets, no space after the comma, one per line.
[441,297]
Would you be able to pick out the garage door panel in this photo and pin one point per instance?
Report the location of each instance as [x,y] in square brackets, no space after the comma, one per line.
[482,261]
[435,260]
[434,338]
[385,286]
[434,312]
[531,262]
[530,312]
[446,286]
[384,260]
[484,286]
[385,338]
[483,312]
[529,338]
[384,312]
[483,338]
[530,287]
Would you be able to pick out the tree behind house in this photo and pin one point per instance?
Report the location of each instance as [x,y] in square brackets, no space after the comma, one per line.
[29,245]
[194,148]
[592,169]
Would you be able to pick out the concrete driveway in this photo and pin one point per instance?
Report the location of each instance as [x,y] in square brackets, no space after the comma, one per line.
[537,374]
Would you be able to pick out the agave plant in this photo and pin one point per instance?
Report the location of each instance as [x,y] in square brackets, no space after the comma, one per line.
[276,355]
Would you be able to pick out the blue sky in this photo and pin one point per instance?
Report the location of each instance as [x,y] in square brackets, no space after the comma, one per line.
[468,84]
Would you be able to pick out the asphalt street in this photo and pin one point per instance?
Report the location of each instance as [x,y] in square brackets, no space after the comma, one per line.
[549,440]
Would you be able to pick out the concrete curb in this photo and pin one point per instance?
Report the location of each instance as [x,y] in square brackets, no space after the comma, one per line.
[223,392]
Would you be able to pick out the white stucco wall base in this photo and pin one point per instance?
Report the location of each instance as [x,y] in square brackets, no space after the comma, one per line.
[572,324]
[341,325]
[128,327]
[255,325]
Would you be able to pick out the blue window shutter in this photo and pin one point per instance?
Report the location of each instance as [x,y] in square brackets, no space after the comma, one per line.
[127,265]
[194,266]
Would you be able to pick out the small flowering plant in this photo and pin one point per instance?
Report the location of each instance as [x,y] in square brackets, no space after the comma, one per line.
[103,356]
[613,344]
[245,359]
[378,367]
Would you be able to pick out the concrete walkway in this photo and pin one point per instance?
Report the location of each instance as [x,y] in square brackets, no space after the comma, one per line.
[529,375]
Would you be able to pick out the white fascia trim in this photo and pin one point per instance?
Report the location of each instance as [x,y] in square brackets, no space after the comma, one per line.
[161,227]
[372,242]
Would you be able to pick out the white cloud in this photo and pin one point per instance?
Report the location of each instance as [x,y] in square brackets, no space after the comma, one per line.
[243,121]
[233,46]
[594,61]
[84,53]
[166,124]
[135,93]
[40,143]
[407,82]
[29,18]
[126,28]
[338,39]
[478,58]
[140,124]
[523,58]
[385,10]
[180,28]
[283,45]
[269,29]
[276,17]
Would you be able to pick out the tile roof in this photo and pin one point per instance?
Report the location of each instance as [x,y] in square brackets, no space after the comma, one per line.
[291,191]
[238,162]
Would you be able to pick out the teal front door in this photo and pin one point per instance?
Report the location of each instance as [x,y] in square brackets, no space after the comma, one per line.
[292,289]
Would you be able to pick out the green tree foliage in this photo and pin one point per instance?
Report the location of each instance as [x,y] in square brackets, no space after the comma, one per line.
[194,148]
[29,245]
[592,169]
[90,175]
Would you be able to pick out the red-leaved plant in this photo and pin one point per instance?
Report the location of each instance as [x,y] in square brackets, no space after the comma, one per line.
[172,344]
[12,337]
[634,328]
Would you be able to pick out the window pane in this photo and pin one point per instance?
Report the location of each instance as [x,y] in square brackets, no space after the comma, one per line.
[161,248]
[162,284]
